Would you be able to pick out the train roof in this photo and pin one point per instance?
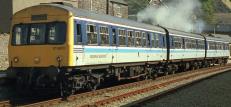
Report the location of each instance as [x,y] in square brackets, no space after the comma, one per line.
[111,19]
[182,33]
[212,37]
[106,18]
[81,13]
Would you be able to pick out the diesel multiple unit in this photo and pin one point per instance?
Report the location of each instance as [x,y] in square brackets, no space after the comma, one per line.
[56,45]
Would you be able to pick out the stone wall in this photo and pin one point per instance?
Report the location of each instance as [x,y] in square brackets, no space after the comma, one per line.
[98,6]
[4,38]
[118,10]
[9,7]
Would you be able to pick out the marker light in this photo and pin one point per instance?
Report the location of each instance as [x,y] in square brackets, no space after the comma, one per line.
[16,59]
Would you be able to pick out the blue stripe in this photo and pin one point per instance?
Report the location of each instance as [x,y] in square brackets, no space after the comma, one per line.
[186,51]
[101,50]
[94,50]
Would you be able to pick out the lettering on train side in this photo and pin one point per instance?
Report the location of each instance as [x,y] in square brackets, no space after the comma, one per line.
[98,56]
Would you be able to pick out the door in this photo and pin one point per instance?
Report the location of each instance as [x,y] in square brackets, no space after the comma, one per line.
[114,43]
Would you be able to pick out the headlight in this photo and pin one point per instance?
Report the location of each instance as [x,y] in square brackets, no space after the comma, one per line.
[16,59]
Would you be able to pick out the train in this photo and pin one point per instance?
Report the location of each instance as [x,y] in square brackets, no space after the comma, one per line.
[55,45]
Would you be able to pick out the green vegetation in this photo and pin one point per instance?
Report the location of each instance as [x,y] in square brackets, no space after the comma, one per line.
[208,9]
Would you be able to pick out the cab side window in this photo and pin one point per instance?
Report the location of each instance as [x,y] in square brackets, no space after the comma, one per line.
[79,39]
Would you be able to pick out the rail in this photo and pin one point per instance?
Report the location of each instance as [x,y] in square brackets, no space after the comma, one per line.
[5,104]
[121,92]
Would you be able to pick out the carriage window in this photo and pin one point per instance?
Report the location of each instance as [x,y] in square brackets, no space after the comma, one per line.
[172,42]
[194,43]
[20,33]
[164,41]
[201,44]
[177,42]
[130,39]
[79,34]
[143,40]
[37,33]
[104,34]
[157,41]
[92,34]
[138,39]
[114,38]
[212,46]
[147,42]
[219,47]
[188,44]
[226,47]
[183,43]
[153,40]
[122,37]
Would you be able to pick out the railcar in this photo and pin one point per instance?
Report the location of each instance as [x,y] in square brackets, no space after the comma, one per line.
[60,46]
[217,50]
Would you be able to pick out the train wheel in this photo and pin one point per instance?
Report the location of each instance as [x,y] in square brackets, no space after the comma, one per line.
[173,71]
[66,88]
[166,73]
[91,86]
[154,76]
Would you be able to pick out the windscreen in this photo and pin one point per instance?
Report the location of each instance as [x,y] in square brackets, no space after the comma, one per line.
[39,33]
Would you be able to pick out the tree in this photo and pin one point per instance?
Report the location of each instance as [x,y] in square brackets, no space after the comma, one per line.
[208,9]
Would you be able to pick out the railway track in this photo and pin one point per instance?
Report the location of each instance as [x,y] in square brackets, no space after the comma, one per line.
[104,97]
[5,104]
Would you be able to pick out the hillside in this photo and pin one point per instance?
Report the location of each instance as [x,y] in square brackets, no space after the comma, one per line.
[222,6]
[227,3]
[137,5]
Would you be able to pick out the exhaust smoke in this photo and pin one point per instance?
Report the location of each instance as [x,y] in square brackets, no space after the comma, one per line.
[176,14]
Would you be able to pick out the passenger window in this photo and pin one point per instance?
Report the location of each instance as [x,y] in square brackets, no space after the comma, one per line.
[172,42]
[79,34]
[114,39]
[122,37]
[143,40]
[104,34]
[92,35]
[157,41]
[183,43]
[153,40]
[164,41]
[130,39]
[148,44]
[138,39]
